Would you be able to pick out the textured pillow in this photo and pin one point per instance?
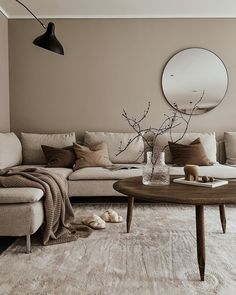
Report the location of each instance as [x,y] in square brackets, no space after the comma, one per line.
[230,147]
[193,154]
[10,150]
[91,157]
[208,141]
[133,154]
[31,143]
[59,157]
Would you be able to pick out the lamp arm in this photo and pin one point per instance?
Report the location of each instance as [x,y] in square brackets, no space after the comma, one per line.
[42,24]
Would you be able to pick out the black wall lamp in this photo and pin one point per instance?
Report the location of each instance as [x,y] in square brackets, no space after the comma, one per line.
[48,40]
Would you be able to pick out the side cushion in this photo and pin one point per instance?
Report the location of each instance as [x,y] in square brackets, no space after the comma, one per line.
[133,153]
[10,150]
[230,147]
[31,143]
[208,141]
[20,195]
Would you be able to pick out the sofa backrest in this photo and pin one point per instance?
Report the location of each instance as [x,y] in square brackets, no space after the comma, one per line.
[31,144]
[10,150]
[221,154]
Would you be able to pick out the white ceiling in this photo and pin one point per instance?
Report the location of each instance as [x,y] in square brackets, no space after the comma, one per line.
[120,8]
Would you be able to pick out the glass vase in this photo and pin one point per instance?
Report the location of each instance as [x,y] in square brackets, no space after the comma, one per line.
[155,171]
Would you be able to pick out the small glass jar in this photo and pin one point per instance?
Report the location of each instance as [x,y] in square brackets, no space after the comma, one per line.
[155,171]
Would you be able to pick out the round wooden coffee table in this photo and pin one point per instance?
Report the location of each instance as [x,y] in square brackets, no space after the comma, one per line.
[181,194]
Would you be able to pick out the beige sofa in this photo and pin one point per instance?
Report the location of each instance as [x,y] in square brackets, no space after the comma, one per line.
[21,209]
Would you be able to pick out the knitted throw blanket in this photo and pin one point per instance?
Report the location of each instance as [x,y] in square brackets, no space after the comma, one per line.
[59,215]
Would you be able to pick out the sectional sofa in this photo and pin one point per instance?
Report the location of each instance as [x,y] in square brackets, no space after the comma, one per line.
[21,209]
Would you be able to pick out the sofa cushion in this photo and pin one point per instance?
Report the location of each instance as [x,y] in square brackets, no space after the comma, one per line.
[59,157]
[10,150]
[65,172]
[133,154]
[88,188]
[208,141]
[93,156]
[31,143]
[103,173]
[20,195]
[230,147]
[193,153]
[217,170]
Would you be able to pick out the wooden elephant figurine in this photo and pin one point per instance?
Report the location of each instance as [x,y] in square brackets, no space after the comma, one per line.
[191,172]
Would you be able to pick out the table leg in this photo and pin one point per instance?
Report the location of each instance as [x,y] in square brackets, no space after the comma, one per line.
[129,213]
[223,218]
[200,239]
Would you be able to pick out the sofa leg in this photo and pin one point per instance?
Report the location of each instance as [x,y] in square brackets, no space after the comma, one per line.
[28,244]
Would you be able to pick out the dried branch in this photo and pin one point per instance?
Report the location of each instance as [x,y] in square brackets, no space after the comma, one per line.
[175,119]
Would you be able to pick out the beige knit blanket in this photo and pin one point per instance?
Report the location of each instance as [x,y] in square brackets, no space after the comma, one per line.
[59,215]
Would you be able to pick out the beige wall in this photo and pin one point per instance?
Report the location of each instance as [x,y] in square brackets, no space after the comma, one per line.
[108,65]
[4,76]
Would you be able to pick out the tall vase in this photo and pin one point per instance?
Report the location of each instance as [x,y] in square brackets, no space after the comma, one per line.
[155,171]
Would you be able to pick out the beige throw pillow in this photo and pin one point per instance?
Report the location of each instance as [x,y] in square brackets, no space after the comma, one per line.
[134,153]
[95,156]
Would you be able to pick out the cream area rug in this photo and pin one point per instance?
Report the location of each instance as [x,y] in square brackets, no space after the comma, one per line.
[157,257]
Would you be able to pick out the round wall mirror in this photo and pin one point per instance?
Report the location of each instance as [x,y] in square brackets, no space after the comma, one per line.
[191,74]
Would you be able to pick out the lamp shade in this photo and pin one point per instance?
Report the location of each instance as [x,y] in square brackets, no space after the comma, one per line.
[49,41]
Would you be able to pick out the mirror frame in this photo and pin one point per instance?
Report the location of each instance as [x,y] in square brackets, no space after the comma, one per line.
[166,63]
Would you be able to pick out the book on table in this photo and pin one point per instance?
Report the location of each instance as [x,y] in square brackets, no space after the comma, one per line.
[121,167]
[215,183]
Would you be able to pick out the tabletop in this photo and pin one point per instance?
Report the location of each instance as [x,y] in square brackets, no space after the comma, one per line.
[177,193]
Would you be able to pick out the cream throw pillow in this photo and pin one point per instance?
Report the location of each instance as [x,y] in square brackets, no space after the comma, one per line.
[95,156]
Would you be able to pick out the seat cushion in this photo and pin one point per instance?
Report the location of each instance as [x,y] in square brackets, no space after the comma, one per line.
[103,173]
[20,195]
[65,172]
[217,170]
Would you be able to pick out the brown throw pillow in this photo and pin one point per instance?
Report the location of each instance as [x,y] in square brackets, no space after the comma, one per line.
[95,156]
[193,154]
[59,157]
